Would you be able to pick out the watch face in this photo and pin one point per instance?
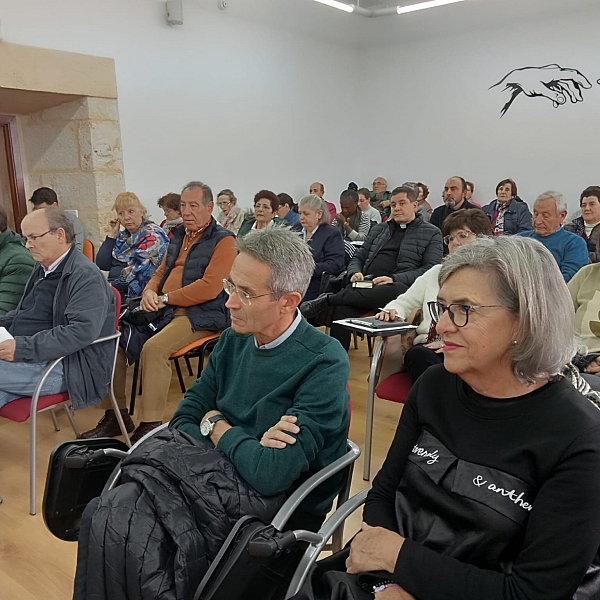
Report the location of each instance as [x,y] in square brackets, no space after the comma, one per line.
[205,428]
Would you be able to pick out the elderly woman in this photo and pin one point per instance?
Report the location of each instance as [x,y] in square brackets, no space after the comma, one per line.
[132,254]
[266,204]
[230,216]
[324,240]
[586,225]
[459,228]
[422,198]
[490,487]
[171,207]
[508,213]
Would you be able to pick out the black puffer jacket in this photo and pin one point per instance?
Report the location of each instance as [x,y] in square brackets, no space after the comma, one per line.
[155,535]
[421,248]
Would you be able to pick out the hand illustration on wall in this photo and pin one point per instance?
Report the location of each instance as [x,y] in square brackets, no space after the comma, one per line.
[551,81]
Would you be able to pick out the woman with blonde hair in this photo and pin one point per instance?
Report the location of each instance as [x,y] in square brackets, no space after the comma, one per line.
[132,254]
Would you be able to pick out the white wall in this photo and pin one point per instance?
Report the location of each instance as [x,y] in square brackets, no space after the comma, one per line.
[237,98]
[435,117]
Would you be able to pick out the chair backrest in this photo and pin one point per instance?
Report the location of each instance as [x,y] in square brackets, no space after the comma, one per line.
[88,250]
[117,304]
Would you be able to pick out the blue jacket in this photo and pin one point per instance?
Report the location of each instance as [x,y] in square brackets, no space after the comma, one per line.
[569,250]
[292,218]
[517,217]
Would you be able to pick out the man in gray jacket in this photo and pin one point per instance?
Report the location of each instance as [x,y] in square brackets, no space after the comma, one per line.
[393,256]
[66,305]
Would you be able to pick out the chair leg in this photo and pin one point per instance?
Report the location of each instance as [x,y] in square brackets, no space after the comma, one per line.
[371,409]
[32,452]
[134,385]
[189,366]
[179,375]
[71,416]
[370,346]
[54,420]
[355,340]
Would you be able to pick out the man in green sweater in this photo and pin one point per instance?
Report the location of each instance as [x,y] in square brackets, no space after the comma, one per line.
[274,395]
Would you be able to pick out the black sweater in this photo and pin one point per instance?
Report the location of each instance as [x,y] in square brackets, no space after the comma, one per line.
[518,481]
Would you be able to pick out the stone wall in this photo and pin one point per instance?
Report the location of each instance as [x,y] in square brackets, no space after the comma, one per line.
[75,149]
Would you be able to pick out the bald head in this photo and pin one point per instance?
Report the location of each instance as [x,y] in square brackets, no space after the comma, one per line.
[317,188]
[48,233]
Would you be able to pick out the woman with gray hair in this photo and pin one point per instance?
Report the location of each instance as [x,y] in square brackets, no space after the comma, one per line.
[490,488]
[324,240]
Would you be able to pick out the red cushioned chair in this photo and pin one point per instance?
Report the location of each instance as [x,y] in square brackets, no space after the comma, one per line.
[21,409]
[393,387]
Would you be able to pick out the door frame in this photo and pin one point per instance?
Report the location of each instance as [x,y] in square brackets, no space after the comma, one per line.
[8,125]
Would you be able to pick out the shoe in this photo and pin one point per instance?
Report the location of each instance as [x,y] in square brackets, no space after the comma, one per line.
[311,308]
[108,426]
[143,429]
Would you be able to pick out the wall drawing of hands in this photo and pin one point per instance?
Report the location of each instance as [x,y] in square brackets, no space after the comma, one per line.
[551,81]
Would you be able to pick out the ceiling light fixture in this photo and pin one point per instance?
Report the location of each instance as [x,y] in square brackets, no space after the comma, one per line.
[423,5]
[335,4]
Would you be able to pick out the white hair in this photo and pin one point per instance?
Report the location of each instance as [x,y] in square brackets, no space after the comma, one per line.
[561,203]
[316,203]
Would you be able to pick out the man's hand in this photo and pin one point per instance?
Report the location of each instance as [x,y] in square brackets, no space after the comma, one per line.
[394,593]
[357,277]
[374,549]
[382,280]
[220,427]
[275,437]
[7,350]
[150,301]
[593,367]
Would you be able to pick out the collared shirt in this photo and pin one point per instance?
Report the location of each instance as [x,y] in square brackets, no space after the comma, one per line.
[55,264]
[312,235]
[284,336]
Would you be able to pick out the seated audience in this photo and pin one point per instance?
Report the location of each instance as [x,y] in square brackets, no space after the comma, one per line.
[318,189]
[393,256]
[231,216]
[569,250]
[257,425]
[66,305]
[421,211]
[380,197]
[470,190]
[45,198]
[286,210]
[460,228]
[485,491]
[586,225]
[422,198]
[324,240]
[131,255]
[171,209]
[364,203]
[455,198]
[352,223]
[508,213]
[16,264]
[266,204]
[187,288]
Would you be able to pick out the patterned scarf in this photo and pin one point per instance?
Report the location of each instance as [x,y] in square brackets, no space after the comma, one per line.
[498,224]
[230,217]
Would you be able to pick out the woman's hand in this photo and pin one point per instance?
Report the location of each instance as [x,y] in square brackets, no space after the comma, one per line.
[394,593]
[275,437]
[374,549]
[438,346]
[392,315]
[112,231]
[341,218]
[593,367]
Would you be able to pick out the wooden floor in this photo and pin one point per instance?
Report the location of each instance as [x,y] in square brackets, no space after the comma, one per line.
[36,566]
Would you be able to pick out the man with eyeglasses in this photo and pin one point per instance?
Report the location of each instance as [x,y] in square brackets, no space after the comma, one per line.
[66,305]
[380,197]
[187,288]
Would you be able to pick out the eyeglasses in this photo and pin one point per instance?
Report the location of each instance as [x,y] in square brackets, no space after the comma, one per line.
[459,313]
[35,238]
[222,204]
[245,298]
[461,235]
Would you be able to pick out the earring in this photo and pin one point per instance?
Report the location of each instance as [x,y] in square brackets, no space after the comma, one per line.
[515,342]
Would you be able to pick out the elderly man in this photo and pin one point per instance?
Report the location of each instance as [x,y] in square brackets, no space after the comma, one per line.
[66,305]
[318,189]
[380,197]
[260,404]
[569,250]
[16,264]
[46,198]
[394,255]
[188,282]
[455,197]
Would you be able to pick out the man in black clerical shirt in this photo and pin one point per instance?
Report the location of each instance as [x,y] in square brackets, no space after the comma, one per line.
[393,256]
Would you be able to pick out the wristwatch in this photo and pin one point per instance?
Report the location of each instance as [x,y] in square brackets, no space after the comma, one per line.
[164,298]
[207,426]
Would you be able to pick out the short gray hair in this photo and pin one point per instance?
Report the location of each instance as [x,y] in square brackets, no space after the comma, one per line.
[288,255]
[316,203]
[561,203]
[58,219]
[207,195]
[529,284]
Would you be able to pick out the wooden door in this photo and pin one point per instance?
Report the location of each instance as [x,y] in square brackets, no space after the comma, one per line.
[12,189]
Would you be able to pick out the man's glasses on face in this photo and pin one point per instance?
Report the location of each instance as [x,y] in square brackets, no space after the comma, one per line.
[32,239]
[245,298]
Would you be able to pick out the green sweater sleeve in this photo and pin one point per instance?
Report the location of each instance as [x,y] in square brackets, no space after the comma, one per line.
[274,470]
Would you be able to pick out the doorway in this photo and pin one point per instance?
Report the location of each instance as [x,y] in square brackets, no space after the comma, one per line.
[12,189]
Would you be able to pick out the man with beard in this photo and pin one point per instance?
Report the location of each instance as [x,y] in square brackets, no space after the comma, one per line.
[455,198]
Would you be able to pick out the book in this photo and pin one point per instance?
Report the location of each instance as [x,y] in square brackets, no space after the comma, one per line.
[4,335]
[365,283]
[374,326]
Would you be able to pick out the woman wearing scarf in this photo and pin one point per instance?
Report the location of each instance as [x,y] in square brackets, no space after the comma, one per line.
[131,255]
[508,213]
[231,215]
[170,205]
